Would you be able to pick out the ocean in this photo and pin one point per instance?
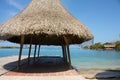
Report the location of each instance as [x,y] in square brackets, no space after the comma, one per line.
[81,58]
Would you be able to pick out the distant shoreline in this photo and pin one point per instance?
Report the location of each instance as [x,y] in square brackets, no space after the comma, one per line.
[104,46]
[2,47]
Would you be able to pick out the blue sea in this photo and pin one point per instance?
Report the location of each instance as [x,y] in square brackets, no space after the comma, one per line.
[81,58]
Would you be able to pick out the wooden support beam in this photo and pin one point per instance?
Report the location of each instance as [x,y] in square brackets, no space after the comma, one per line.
[69,55]
[20,52]
[63,51]
[39,51]
[68,51]
[29,51]
[35,53]
[66,55]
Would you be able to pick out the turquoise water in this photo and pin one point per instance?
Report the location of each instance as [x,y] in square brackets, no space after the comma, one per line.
[80,58]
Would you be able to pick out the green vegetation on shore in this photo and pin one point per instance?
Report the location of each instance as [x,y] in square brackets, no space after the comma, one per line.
[105,46]
[9,47]
[117,45]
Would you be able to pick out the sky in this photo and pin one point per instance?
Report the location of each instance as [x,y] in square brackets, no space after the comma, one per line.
[102,17]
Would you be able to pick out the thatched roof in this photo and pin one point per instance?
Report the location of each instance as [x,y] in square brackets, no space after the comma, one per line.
[47,21]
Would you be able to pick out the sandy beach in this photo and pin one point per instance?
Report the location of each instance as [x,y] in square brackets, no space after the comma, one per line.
[8,71]
[6,60]
[90,74]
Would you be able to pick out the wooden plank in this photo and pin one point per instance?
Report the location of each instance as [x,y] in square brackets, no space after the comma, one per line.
[20,52]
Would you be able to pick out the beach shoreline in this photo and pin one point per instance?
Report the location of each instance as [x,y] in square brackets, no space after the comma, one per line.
[100,73]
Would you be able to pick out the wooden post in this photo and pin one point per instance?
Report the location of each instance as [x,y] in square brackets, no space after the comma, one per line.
[35,53]
[66,56]
[69,55]
[39,51]
[68,51]
[29,50]
[20,53]
[63,51]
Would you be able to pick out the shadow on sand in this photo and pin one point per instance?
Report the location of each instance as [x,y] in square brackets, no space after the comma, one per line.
[108,75]
[42,65]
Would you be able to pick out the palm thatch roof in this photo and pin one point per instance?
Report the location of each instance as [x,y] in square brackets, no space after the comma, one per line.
[46,21]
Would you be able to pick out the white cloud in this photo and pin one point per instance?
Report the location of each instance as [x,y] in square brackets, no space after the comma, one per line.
[15,4]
